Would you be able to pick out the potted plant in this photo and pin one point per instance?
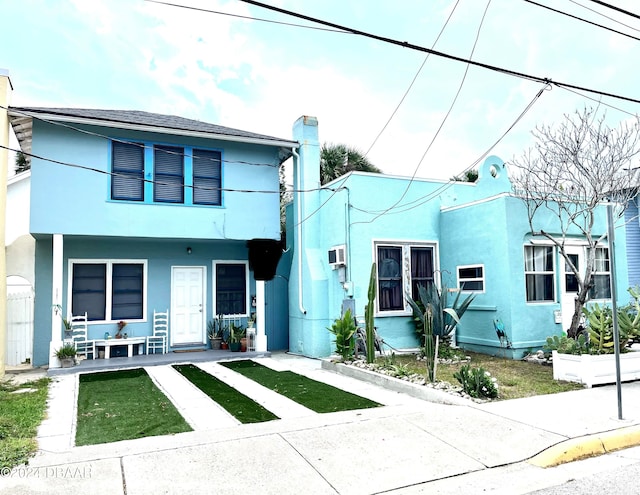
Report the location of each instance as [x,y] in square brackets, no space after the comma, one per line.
[121,325]
[236,334]
[67,355]
[67,328]
[215,331]
[589,357]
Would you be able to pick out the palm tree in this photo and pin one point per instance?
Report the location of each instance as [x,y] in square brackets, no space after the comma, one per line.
[339,159]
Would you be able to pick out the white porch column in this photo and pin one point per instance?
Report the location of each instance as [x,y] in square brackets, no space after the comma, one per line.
[261,336]
[56,299]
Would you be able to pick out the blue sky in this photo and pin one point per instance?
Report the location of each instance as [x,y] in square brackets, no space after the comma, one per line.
[257,76]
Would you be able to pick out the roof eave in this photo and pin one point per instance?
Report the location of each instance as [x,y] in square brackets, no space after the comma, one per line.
[23,120]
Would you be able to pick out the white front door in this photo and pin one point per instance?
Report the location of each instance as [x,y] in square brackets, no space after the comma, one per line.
[569,284]
[187,305]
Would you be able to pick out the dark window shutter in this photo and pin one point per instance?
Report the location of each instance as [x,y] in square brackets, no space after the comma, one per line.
[207,177]
[168,166]
[127,166]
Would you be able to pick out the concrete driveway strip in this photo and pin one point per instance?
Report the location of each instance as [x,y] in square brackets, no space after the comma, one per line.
[195,406]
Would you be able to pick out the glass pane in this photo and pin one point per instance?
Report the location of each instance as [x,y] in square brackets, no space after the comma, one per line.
[88,290]
[471,272]
[539,287]
[231,295]
[390,278]
[472,285]
[127,291]
[601,288]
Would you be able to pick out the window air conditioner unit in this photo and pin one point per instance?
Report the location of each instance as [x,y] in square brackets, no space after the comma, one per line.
[337,256]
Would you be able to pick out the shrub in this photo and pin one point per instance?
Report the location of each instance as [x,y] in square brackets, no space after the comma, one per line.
[344,330]
[476,382]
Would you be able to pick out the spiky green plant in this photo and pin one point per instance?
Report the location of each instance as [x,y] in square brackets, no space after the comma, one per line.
[368,317]
[344,330]
[445,319]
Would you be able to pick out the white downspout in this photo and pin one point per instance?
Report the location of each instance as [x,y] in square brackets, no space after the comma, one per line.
[299,228]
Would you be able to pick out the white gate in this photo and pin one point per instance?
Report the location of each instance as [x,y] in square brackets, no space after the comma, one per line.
[19,328]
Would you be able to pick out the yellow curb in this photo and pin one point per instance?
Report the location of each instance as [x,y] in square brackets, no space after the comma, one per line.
[588,446]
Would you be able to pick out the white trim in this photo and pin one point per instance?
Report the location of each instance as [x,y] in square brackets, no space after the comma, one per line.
[214,291]
[554,274]
[109,262]
[405,246]
[474,203]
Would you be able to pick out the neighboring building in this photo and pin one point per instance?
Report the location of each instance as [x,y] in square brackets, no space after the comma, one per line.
[632,219]
[131,212]
[473,235]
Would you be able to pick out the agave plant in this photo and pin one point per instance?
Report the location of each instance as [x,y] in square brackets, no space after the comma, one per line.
[445,319]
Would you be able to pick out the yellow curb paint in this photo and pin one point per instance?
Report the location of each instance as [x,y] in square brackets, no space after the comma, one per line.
[583,447]
[571,450]
[621,439]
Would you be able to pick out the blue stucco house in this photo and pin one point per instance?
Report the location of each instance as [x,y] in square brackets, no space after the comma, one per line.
[132,212]
[473,237]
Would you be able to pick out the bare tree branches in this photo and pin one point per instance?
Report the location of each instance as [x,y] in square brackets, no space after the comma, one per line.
[575,167]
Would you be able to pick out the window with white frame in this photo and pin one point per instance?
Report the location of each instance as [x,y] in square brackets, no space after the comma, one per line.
[231,286]
[471,278]
[601,281]
[393,282]
[109,290]
[539,273]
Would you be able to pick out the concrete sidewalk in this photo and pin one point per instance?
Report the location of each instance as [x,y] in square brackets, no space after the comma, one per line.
[407,446]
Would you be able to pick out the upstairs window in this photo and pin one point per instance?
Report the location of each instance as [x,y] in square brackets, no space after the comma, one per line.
[207,177]
[168,174]
[539,273]
[127,167]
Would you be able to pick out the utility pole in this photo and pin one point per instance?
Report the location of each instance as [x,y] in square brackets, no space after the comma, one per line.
[5,94]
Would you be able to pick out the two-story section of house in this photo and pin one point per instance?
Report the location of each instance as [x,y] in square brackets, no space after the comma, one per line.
[133,212]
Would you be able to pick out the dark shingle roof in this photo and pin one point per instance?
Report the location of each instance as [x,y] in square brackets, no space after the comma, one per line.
[148,119]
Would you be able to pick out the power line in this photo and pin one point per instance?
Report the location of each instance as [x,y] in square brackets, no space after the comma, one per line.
[603,15]
[189,7]
[415,77]
[428,197]
[134,142]
[444,120]
[150,181]
[581,19]
[411,46]
[618,9]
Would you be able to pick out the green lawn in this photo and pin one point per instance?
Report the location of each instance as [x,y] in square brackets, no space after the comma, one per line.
[20,416]
[515,378]
[317,396]
[123,405]
[243,408]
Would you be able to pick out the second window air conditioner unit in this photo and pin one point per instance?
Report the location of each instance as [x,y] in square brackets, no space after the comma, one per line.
[337,256]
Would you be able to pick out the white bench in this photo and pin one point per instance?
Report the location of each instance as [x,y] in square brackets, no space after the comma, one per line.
[129,342]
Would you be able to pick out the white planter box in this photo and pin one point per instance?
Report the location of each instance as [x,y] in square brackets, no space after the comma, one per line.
[595,370]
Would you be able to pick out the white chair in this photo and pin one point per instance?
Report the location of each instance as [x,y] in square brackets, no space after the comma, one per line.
[79,333]
[159,340]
